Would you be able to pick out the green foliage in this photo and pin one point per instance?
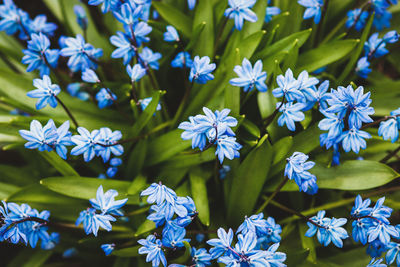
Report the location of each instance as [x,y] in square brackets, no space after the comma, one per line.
[157,152]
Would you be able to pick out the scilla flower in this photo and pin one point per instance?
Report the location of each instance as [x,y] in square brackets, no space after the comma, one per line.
[46,92]
[171,35]
[201,70]
[240,10]
[313,9]
[249,77]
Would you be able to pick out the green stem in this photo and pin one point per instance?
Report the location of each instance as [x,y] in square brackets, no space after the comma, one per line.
[321,23]
[67,111]
[181,107]
[390,155]
[271,197]
[219,35]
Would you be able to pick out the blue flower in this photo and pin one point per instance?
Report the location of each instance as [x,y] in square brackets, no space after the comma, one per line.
[320,95]
[199,139]
[82,55]
[125,49]
[288,87]
[355,102]
[313,9]
[63,139]
[201,70]
[174,237]
[39,25]
[92,221]
[105,98]
[112,170]
[376,263]
[382,20]
[11,18]
[250,78]
[46,92]
[191,4]
[146,101]
[239,10]
[201,257]
[39,55]
[273,257]
[140,31]
[108,248]
[89,76]
[220,244]
[149,58]
[360,230]
[376,248]
[270,12]
[128,13]
[39,137]
[36,230]
[109,143]
[86,143]
[297,168]
[153,248]
[54,239]
[136,72]
[227,147]
[353,139]
[389,130]
[332,123]
[107,4]
[81,17]
[158,193]
[356,18]
[255,223]
[171,35]
[74,89]
[375,47]
[106,203]
[182,60]
[307,85]
[391,37]
[328,230]
[291,113]
[393,254]
[362,68]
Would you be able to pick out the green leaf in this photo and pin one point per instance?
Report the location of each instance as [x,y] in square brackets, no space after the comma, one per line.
[164,147]
[199,193]
[307,243]
[145,227]
[232,93]
[285,44]
[58,163]
[195,36]
[138,184]
[192,158]
[146,115]
[86,188]
[176,18]
[136,159]
[38,258]
[326,54]
[249,45]
[360,47]
[248,181]
[204,16]
[352,175]
[281,149]
[127,252]
[297,257]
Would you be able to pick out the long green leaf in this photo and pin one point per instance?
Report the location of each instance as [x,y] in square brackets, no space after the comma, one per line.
[58,163]
[350,176]
[175,17]
[326,54]
[199,193]
[248,181]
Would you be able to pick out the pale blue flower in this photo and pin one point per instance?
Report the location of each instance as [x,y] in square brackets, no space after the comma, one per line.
[249,77]
[46,92]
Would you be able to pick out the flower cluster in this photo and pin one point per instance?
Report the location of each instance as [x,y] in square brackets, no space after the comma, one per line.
[299,95]
[102,143]
[21,223]
[370,225]
[14,20]
[375,47]
[347,110]
[252,249]
[297,168]
[214,127]
[166,205]
[358,17]
[104,208]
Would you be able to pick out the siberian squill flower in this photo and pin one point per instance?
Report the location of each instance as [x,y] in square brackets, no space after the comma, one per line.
[249,77]
[313,9]
[240,10]
[46,92]
[201,70]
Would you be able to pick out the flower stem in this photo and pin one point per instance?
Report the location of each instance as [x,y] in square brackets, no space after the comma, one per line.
[182,105]
[219,35]
[271,197]
[390,155]
[67,111]
[321,23]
